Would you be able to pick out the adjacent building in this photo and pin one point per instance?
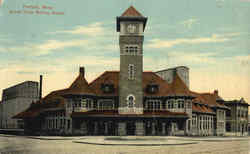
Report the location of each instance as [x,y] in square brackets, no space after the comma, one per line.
[130,101]
[1,114]
[15,100]
[237,117]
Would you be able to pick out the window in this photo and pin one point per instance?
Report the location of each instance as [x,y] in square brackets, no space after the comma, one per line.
[131,49]
[175,104]
[106,104]
[107,87]
[83,103]
[131,71]
[170,104]
[131,101]
[152,88]
[180,104]
[154,105]
[89,104]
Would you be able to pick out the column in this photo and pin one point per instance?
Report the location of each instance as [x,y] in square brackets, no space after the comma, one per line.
[84,128]
[139,128]
[153,128]
[122,129]
[163,128]
[96,128]
[209,127]
[186,123]
[198,124]
[106,128]
[202,125]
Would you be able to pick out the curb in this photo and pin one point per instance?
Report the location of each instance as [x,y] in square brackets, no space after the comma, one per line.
[109,144]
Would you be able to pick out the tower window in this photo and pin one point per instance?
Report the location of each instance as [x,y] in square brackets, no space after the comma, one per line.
[131,101]
[131,71]
[131,49]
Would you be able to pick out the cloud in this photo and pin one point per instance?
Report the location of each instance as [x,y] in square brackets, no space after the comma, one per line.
[2,49]
[50,45]
[94,29]
[158,43]
[96,39]
[190,22]
[235,34]
[44,48]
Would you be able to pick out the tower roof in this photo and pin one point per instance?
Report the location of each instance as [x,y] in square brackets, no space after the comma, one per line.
[131,12]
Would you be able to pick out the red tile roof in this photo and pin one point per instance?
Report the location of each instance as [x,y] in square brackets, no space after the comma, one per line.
[111,77]
[131,12]
[152,78]
[209,99]
[79,87]
[178,87]
[52,100]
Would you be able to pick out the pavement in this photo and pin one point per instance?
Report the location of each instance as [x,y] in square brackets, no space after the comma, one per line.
[135,140]
[11,144]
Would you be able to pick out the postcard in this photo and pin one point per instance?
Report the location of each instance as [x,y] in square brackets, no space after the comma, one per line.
[124,76]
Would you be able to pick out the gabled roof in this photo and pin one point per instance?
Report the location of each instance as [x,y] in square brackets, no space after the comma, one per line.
[131,12]
[178,87]
[107,77]
[79,87]
[153,78]
[208,98]
[53,100]
[201,109]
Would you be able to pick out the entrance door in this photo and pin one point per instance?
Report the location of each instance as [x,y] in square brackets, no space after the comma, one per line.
[130,128]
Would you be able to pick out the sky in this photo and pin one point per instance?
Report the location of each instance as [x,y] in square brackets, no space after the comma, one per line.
[54,38]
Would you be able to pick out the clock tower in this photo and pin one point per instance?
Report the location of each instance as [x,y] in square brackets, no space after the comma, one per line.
[131,25]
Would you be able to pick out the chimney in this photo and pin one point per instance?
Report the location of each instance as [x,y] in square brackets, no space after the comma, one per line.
[82,71]
[40,87]
[216,92]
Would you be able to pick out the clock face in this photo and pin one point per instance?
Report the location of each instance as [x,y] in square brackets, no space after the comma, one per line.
[131,28]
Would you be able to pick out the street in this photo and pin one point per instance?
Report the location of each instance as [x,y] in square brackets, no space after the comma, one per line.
[69,145]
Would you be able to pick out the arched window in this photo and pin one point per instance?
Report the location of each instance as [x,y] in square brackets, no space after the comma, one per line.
[131,101]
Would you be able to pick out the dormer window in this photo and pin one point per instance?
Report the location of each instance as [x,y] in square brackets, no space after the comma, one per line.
[107,88]
[152,88]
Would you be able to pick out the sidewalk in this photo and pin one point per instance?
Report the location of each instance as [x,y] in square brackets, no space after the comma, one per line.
[134,141]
